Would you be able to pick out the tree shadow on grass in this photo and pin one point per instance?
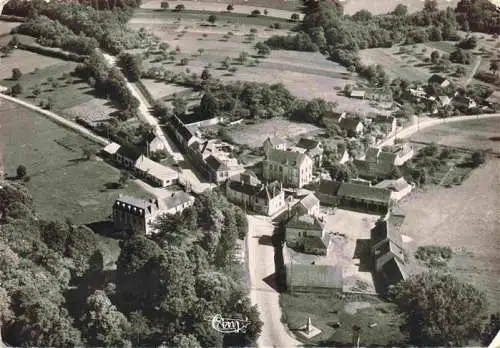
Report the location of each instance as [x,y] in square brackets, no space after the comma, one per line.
[104,228]
[112,186]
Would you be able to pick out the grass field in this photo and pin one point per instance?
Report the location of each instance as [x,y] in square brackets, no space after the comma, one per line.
[25,61]
[327,309]
[6,27]
[306,75]
[62,184]
[464,217]
[385,6]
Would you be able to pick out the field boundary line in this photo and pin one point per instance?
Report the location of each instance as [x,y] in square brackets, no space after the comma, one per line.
[59,120]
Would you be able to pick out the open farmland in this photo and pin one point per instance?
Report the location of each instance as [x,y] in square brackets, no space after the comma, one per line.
[75,188]
[6,27]
[242,7]
[255,134]
[386,6]
[25,61]
[307,75]
[464,217]
[161,90]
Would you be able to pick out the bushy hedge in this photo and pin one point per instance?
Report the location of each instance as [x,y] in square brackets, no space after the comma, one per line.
[297,42]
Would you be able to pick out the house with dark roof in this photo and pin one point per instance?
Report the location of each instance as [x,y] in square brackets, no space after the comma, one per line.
[292,168]
[127,155]
[313,277]
[387,250]
[376,171]
[275,143]
[438,80]
[136,214]
[306,233]
[308,205]
[362,197]
[396,154]
[183,136]
[400,188]
[312,148]
[247,190]
[352,126]
[326,191]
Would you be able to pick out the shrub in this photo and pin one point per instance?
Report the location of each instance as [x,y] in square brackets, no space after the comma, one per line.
[255,13]
[180,7]
[164,5]
[16,74]
[230,7]
[295,17]
[298,42]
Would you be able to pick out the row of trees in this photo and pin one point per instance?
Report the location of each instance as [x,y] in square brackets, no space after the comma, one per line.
[108,82]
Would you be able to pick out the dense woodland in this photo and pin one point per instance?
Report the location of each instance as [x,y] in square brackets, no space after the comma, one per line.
[55,292]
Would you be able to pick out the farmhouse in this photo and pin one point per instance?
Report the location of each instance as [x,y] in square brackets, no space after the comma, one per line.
[396,155]
[358,94]
[127,155]
[221,170]
[275,143]
[110,150]
[362,197]
[289,167]
[380,170]
[326,191]
[153,143]
[155,173]
[306,233]
[439,80]
[131,213]
[246,189]
[387,250]
[181,133]
[312,277]
[177,202]
[352,126]
[309,205]
[313,149]
[399,188]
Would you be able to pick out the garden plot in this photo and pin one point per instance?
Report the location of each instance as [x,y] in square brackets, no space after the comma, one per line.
[255,134]
[92,111]
[161,90]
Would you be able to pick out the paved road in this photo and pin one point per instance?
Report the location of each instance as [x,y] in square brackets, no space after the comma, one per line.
[61,120]
[261,266]
[430,122]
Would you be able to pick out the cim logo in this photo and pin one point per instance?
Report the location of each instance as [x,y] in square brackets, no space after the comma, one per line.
[226,325]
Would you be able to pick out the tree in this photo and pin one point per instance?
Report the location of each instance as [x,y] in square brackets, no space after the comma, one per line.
[295,17]
[212,18]
[460,56]
[124,177]
[201,51]
[89,153]
[362,16]
[180,7]
[184,61]
[255,13]
[230,7]
[103,324]
[430,6]
[435,57]
[491,329]
[262,49]
[16,74]
[494,66]
[435,305]
[21,172]
[468,43]
[6,313]
[131,65]
[477,158]
[205,75]
[14,42]
[180,106]
[243,57]
[164,5]
[400,10]
[186,341]
[36,91]
[460,71]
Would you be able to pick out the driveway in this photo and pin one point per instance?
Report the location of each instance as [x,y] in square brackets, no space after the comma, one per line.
[262,293]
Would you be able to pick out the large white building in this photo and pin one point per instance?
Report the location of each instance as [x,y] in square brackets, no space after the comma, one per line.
[291,168]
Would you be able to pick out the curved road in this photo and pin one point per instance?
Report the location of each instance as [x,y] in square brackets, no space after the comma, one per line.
[430,122]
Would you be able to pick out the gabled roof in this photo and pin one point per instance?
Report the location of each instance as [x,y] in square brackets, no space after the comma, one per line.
[288,158]
[149,137]
[270,191]
[314,242]
[394,185]
[177,198]
[308,144]
[247,189]
[373,169]
[181,128]
[349,123]
[369,193]
[394,271]
[247,176]
[387,157]
[318,276]
[329,187]
[308,222]
[386,230]
[357,93]
[275,141]
[130,152]
[435,78]
[111,148]
[216,164]
[309,201]
[386,251]
[157,170]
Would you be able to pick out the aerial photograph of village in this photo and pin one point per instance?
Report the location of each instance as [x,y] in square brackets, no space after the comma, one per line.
[249,173]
